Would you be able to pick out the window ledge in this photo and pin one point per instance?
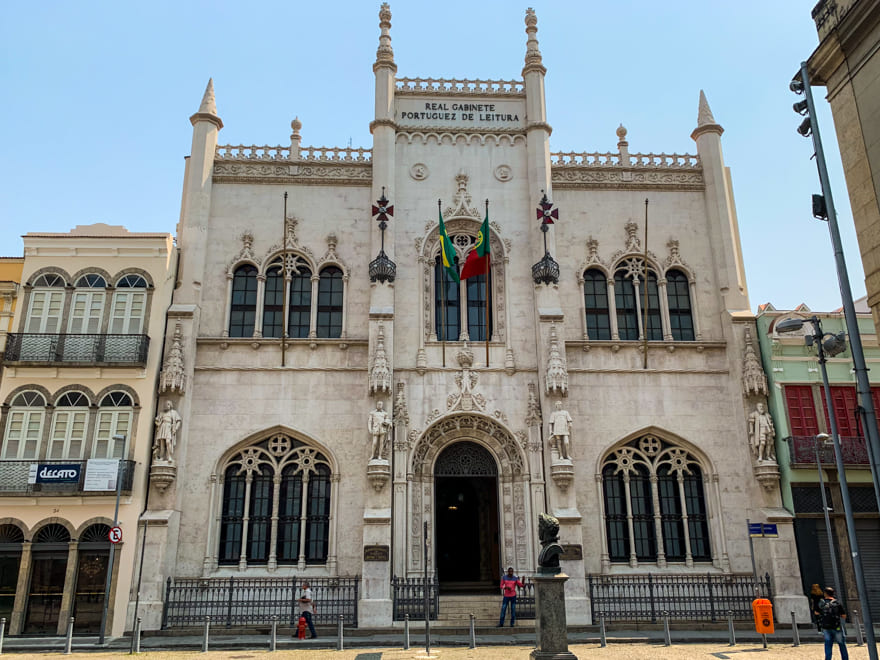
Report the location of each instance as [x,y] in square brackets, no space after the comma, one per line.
[615,345]
[257,343]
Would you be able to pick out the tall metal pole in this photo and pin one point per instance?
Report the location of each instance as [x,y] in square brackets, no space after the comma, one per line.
[645,297]
[832,552]
[861,587]
[109,577]
[488,275]
[863,384]
[284,293]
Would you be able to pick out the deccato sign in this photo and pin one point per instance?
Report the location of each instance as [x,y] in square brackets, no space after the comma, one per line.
[54,473]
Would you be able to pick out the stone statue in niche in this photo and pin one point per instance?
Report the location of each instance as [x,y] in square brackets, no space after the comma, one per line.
[560,431]
[167,426]
[378,424]
[548,534]
[762,434]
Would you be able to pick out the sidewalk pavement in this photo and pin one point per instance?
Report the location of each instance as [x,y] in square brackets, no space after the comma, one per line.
[391,639]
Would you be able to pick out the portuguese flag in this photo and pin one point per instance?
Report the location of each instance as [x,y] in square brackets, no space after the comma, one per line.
[477,262]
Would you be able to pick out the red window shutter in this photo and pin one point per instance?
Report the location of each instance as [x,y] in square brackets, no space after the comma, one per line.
[801,410]
[843,398]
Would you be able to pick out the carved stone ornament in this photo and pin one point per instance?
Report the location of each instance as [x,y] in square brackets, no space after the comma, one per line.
[465,400]
[557,373]
[503,173]
[401,411]
[380,374]
[548,534]
[378,473]
[767,475]
[245,254]
[173,378]
[562,473]
[533,409]
[163,475]
[167,423]
[754,378]
[419,172]
[461,206]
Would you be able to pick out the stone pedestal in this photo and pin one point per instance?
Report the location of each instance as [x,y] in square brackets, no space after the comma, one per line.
[163,474]
[378,473]
[550,624]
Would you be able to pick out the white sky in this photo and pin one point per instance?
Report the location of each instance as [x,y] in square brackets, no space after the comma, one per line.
[97,96]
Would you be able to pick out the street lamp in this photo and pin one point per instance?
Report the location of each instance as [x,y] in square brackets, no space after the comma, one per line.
[823,439]
[118,438]
[829,345]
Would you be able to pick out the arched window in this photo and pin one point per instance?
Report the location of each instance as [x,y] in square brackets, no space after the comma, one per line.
[629,300]
[87,306]
[273,302]
[475,291]
[658,489]
[49,554]
[93,554]
[465,302]
[11,542]
[330,292]
[46,305]
[24,426]
[446,299]
[300,304]
[596,305]
[302,527]
[681,321]
[244,302]
[113,428]
[69,425]
[129,306]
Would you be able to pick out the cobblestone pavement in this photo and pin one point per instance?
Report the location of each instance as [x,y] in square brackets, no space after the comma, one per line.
[615,651]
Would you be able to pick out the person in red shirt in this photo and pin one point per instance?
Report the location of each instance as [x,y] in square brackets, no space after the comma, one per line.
[509,583]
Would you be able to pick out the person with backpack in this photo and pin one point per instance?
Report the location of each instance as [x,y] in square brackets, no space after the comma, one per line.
[831,615]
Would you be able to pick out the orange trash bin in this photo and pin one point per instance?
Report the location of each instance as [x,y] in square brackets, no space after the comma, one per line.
[762,611]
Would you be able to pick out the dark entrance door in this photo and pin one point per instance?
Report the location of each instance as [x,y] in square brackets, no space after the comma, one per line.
[47,587]
[467,546]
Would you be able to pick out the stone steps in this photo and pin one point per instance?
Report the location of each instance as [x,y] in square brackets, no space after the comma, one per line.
[456,609]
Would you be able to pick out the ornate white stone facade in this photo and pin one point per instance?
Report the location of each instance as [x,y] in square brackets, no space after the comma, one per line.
[254,393]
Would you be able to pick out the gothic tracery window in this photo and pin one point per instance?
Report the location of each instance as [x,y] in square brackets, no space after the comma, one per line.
[330,299]
[249,531]
[655,508]
[244,302]
[681,322]
[464,302]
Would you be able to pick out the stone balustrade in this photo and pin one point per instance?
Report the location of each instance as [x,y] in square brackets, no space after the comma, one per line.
[609,159]
[311,154]
[451,86]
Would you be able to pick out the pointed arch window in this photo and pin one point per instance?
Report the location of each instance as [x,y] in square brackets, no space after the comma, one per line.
[24,426]
[629,301]
[300,305]
[681,320]
[655,507]
[69,427]
[300,532]
[113,423]
[596,304]
[330,299]
[464,302]
[447,305]
[244,302]
[273,302]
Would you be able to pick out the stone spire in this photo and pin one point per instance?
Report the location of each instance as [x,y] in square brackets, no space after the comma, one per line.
[705,120]
[534,61]
[208,108]
[385,54]
[754,379]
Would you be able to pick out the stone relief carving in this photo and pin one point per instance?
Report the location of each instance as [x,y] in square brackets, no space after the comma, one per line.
[754,378]
[598,177]
[245,254]
[465,399]
[557,373]
[173,377]
[339,174]
[674,258]
[401,411]
[419,172]
[380,374]
[503,173]
[461,204]
[533,408]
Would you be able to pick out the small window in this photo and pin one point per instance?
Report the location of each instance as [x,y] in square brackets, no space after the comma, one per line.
[91,281]
[49,280]
[244,302]
[131,281]
[681,320]
[596,305]
[330,292]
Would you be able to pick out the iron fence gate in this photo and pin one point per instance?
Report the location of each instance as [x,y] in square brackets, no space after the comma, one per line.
[525,599]
[408,597]
[685,597]
[237,601]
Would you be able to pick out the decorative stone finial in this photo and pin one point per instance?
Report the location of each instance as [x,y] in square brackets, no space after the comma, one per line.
[705,120]
[754,379]
[173,377]
[384,54]
[557,373]
[621,132]
[296,124]
[208,108]
[533,54]
[295,138]
[380,376]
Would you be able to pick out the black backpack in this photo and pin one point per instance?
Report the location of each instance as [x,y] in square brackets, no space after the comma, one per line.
[831,611]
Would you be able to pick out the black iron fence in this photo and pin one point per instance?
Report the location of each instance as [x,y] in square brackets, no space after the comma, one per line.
[408,597]
[685,597]
[105,349]
[236,601]
[852,448]
[23,478]
[525,599]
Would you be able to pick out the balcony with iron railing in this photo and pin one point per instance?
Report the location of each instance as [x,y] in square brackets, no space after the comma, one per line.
[803,451]
[21,478]
[35,349]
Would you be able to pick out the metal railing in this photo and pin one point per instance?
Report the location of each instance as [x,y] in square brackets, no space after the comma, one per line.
[685,597]
[525,599]
[408,597]
[34,348]
[236,601]
[803,450]
[14,477]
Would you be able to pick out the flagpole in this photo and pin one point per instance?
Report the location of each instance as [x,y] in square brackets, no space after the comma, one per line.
[442,293]
[284,286]
[645,312]
[488,274]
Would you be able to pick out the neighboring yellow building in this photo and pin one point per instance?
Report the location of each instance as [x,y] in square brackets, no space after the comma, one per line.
[847,62]
[10,280]
[77,404]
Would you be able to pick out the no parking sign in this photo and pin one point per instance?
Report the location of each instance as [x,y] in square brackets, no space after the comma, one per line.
[115,534]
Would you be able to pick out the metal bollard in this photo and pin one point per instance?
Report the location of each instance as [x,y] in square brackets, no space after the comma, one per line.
[406,632]
[603,642]
[667,641]
[859,640]
[473,643]
[273,641]
[69,643]
[339,645]
[730,628]
[205,638]
[795,637]
[137,636]
[2,632]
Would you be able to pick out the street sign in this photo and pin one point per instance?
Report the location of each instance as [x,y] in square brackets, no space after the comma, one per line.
[765,530]
[756,530]
[115,534]
[770,530]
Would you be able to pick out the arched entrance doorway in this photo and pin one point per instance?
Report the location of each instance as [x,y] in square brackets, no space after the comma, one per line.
[467,538]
